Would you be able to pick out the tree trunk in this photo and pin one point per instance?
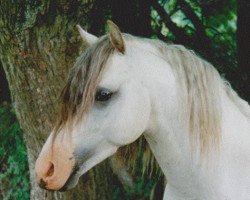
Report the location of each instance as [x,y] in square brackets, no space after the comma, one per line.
[38,45]
[243,47]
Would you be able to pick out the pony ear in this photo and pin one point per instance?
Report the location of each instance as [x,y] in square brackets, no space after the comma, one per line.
[87,37]
[116,37]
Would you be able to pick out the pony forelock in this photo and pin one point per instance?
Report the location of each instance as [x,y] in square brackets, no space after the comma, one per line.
[79,92]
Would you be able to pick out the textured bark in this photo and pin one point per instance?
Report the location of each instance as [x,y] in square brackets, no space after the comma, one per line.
[38,45]
[243,47]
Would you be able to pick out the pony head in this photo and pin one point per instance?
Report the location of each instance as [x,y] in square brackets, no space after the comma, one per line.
[104,106]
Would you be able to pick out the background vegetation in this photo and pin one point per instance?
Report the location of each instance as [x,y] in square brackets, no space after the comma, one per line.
[217,30]
[14,173]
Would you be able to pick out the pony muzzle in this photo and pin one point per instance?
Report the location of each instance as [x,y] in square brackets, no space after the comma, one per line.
[54,166]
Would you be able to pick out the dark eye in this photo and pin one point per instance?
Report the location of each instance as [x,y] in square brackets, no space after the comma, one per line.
[103,95]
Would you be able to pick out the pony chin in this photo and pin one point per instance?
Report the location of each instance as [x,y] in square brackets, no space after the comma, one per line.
[71,183]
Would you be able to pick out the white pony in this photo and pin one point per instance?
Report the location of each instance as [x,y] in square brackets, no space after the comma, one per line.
[122,87]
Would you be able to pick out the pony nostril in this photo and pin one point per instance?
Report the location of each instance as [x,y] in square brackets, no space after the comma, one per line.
[42,184]
[50,172]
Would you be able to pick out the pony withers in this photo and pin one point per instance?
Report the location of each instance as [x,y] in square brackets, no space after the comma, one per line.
[123,87]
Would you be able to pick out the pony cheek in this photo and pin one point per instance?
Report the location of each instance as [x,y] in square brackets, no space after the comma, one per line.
[129,127]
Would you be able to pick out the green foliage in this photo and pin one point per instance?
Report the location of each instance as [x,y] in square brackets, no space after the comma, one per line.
[221,27]
[14,172]
[219,21]
[143,190]
[146,180]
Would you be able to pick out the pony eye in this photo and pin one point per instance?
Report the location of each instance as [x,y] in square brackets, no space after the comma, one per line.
[103,95]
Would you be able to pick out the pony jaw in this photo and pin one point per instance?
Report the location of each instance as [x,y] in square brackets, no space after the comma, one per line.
[84,166]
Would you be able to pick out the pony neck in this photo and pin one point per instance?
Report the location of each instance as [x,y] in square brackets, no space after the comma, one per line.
[169,141]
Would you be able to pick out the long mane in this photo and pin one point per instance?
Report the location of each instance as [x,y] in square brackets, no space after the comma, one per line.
[200,86]
[200,89]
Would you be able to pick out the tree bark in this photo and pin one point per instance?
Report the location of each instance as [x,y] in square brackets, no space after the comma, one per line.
[243,47]
[38,45]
